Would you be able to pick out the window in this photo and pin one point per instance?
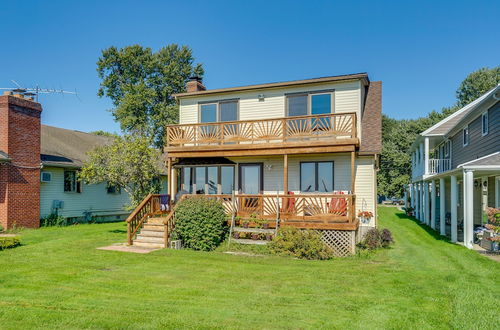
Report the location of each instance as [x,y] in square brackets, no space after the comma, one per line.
[485,123]
[465,135]
[316,103]
[71,184]
[316,176]
[219,111]
[447,149]
[113,189]
[207,179]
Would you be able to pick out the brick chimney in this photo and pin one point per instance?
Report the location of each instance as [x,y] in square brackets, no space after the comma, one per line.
[195,85]
[20,161]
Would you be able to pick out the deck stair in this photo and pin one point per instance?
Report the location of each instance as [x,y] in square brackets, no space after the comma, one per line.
[151,234]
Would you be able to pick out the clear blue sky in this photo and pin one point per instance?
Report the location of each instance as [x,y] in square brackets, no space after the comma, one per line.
[421,50]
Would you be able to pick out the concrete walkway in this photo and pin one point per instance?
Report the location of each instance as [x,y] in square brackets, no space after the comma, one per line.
[122,247]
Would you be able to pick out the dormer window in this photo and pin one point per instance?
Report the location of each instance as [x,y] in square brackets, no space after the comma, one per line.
[465,136]
[313,103]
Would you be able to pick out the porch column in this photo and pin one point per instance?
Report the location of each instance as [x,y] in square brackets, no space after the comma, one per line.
[427,208]
[468,208]
[285,174]
[433,204]
[410,189]
[353,171]
[454,198]
[422,201]
[169,176]
[417,200]
[442,206]
[426,155]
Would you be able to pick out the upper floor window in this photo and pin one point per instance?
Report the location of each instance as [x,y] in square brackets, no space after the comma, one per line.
[219,111]
[484,121]
[71,182]
[316,103]
[447,149]
[465,136]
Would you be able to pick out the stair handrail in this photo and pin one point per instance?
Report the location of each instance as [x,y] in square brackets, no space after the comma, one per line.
[138,216]
[169,221]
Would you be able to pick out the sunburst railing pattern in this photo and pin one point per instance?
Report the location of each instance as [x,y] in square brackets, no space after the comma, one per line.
[315,127]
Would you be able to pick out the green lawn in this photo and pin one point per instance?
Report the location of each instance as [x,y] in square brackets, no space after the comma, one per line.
[57,279]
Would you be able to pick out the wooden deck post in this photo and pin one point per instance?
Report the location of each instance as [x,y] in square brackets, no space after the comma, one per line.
[285,182]
[169,176]
[353,185]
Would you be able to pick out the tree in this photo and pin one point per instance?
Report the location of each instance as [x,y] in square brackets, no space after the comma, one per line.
[141,82]
[103,133]
[476,84]
[398,135]
[129,162]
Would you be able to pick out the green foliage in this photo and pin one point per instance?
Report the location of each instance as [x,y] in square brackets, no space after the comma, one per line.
[476,84]
[53,220]
[141,82]
[398,135]
[129,162]
[300,243]
[104,133]
[1,228]
[376,239]
[9,242]
[200,223]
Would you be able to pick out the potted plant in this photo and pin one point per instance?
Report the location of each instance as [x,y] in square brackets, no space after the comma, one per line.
[265,224]
[255,236]
[236,234]
[269,237]
[409,211]
[244,223]
[365,216]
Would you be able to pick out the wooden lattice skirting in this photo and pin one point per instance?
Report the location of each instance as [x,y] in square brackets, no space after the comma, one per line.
[342,242]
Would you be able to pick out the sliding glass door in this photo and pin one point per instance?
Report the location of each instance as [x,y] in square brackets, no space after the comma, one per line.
[250,178]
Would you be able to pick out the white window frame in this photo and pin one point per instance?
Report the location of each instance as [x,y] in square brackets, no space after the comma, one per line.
[76,185]
[309,101]
[465,133]
[483,116]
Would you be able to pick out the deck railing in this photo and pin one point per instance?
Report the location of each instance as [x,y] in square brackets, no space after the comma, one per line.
[439,165]
[280,130]
[300,208]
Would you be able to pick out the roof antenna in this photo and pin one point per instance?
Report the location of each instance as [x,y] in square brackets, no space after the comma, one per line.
[35,91]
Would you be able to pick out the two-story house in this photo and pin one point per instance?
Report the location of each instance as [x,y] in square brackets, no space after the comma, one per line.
[302,152]
[456,169]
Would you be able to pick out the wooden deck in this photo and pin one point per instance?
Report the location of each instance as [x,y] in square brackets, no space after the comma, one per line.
[326,133]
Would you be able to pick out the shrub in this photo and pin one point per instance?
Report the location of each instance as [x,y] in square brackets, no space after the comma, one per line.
[1,228]
[303,244]
[53,220]
[9,242]
[376,239]
[200,223]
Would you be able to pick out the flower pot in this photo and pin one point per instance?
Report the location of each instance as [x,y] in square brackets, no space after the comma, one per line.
[265,225]
[269,237]
[245,225]
[255,237]
[236,235]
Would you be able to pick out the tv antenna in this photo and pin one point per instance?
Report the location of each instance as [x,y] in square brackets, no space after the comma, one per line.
[35,91]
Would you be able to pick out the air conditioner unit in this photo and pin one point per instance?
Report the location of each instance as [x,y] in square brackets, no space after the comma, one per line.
[45,177]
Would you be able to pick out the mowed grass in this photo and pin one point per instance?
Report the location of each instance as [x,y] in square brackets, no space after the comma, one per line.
[58,279]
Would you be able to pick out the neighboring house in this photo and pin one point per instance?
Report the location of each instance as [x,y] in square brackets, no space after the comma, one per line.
[456,169]
[308,148]
[38,170]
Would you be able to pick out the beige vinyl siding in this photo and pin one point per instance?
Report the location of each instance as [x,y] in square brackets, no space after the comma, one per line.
[347,99]
[365,188]
[94,198]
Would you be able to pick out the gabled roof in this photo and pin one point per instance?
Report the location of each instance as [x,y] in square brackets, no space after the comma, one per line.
[448,123]
[67,148]
[361,76]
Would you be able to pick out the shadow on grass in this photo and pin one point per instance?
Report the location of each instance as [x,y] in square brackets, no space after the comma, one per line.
[427,228]
[118,231]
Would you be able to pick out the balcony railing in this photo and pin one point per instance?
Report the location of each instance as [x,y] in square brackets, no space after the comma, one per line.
[280,130]
[439,165]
